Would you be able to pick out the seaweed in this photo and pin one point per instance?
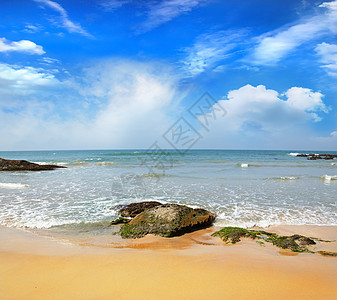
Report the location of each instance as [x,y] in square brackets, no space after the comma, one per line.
[295,243]
[327,253]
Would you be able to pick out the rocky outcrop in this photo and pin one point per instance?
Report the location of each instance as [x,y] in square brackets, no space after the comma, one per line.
[167,220]
[133,209]
[313,156]
[23,165]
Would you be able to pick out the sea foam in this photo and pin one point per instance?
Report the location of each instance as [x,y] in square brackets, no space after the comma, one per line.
[13,185]
[328,178]
[288,178]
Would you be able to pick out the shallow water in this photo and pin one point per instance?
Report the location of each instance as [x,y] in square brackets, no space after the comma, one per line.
[243,188]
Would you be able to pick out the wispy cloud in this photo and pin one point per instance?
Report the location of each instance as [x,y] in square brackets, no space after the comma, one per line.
[65,22]
[209,50]
[32,28]
[328,56]
[273,46]
[20,46]
[166,10]
[50,61]
[110,5]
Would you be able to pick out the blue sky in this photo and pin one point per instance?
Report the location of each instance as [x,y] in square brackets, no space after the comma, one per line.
[109,74]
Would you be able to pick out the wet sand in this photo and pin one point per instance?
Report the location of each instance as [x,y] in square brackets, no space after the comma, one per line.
[194,266]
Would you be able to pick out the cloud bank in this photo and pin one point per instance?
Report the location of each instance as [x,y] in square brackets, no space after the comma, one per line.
[267,119]
[122,104]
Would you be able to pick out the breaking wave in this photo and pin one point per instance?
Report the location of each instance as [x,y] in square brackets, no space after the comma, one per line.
[13,185]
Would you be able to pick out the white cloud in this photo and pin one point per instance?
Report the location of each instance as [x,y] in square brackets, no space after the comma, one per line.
[132,101]
[64,18]
[263,118]
[15,79]
[208,50]
[328,56]
[166,10]
[20,46]
[273,46]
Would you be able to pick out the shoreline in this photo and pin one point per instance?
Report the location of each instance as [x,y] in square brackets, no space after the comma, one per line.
[194,265]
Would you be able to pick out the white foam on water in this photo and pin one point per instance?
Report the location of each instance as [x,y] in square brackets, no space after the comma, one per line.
[329,178]
[293,154]
[13,185]
[252,215]
[288,178]
[244,165]
[40,162]
[43,163]
[79,163]
[106,163]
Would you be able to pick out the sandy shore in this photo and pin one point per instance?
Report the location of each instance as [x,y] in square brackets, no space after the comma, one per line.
[194,266]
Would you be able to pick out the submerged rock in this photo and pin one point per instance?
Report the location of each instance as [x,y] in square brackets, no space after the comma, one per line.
[167,220]
[133,209]
[23,165]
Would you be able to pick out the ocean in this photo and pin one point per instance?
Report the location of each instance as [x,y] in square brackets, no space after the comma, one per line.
[243,188]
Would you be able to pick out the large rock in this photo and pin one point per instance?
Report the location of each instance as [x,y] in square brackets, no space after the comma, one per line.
[23,165]
[167,220]
[133,209]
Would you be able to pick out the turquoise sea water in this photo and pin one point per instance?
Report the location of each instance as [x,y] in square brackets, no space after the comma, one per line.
[243,188]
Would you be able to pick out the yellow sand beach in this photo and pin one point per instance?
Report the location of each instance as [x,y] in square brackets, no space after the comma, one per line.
[194,266]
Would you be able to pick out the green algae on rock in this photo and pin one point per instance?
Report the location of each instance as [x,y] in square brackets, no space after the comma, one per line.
[295,243]
[120,220]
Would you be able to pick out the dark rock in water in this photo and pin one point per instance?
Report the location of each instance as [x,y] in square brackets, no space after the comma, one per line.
[167,220]
[133,209]
[23,165]
[313,156]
